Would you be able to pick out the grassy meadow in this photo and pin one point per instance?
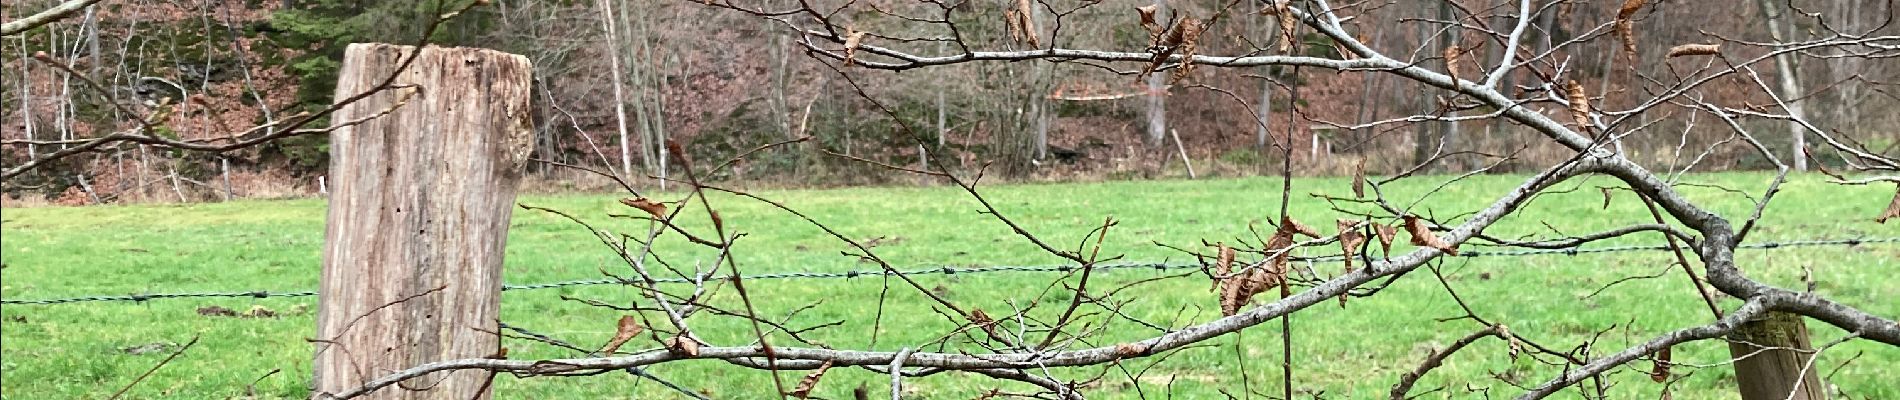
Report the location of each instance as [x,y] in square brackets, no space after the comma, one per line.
[89,350]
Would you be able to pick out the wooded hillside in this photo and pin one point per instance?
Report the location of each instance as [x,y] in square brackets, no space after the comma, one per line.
[617,78]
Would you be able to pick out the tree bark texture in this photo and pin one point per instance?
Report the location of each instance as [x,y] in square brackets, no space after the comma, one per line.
[1772,355]
[419,215]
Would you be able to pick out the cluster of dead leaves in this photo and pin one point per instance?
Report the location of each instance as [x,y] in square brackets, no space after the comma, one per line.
[1237,288]
[1287,24]
[1180,38]
[1626,30]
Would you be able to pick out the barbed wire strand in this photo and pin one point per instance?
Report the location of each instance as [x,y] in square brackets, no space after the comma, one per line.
[952,270]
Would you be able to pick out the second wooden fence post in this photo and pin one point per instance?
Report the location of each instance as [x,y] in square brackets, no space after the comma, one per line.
[421,192]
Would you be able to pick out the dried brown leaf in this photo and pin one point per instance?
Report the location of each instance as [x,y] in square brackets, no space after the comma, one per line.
[1290,225]
[983,321]
[1010,22]
[1286,21]
[1422,236]
[1351,240]
[1238,290]
[1512,345]
[1629,9]
[1660,373]
[1386,233]
[682,345]
[627,329]
[803,390]
[1893,209]
[1579,104]
[1148,21]
[1359,179]
[1288,42]
[1026,11]
[1695,50]
[1451,60]
[657,209]
[1280,246]
[851,43]
[1626,28]
[1224,261]
[1233,289]
[678,152]
[1606,198]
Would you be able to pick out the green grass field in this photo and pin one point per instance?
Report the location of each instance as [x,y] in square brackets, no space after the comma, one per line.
[81,350]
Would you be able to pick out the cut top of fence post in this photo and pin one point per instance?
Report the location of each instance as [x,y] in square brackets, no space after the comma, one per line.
[422,186]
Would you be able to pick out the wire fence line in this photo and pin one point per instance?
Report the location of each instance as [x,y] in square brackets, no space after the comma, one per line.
[953,270]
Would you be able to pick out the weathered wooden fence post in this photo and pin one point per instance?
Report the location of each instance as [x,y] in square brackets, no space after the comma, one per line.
[1773,354]
[420,200]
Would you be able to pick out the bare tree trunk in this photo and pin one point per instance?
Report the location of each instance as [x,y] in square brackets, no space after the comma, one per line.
[1790,81]
[92,39]
[651,83]
[1847,17]
[942,128]
[145,171]
[419,217]
[1424,142]
[224,167]
[781,78]
[1042,129]
[620,99]
[1263,110]
[1448,137]
[1157,109]
[1042,78]
[26,100]
[1157,100]
[1603,86]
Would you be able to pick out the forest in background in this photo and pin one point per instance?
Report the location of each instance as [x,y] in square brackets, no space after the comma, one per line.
[615,79]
